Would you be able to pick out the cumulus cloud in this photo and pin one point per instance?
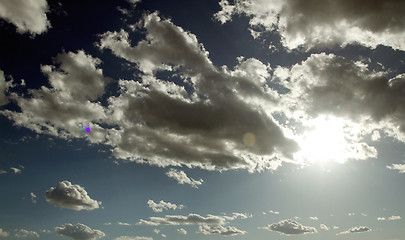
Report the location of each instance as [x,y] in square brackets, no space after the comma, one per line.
[290,227]
[162,205]
[27,16]
[79,232]
[399,167]
[226,231]
[33,197]
[356,230]
[392,218]
[324,227]
[323,24]
[22,233]
[66,195]
[182,178]
[182,231]
[3,233]
[16,170]
[133,238]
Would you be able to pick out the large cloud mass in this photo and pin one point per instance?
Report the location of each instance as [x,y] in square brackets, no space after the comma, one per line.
[27,16]
[79,232]
[321,23]
[66,195]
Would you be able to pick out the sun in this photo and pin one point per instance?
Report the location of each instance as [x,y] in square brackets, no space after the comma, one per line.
[325,141]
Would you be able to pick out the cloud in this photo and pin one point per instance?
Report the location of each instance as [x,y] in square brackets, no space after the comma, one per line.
[392,218]
[324,227]
[314,218]
[182,231]
[79,232]
[27,16]
[162,205]
[323,24]
[22,233]
[399,167]
[66,195]
[123,224]
[16,170]
[226,231]
[290,227]
[3,89]
[274,212]
[3,233]
[157,231]
[191,219]
[356,230]
[33,197]
[182,178]
[2,171]
[133,238]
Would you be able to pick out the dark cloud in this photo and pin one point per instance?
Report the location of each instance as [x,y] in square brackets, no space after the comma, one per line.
[79,232]
[290,227]
[27,16]
[66,195]
[324,23]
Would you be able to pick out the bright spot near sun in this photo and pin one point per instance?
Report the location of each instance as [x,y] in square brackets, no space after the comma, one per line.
[325,141]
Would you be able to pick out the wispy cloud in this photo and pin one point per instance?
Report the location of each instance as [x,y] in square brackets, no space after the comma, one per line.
[162,205]
[182,178]
[356,230]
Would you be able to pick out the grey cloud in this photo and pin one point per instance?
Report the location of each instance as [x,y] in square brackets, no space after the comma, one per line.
[3,88]
[33,197]
[66,195]
[2,171]
[182,178]
[79,232]
[226,231]
[324,23]
[290,227]
[27,16]
[162,205]
[3,233]
[22,233]
[191,219]
[16,170]
[356,230]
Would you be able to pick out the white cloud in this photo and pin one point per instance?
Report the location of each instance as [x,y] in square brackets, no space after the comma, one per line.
[162,205]
[191,219]
[27,16]
[182,231]
[157,231]
[107,224]
[3,233]
[274,212]
[163,235]
[182,178]
[66,195]
[33,197]
[399,167]
[324,24]
[79,232]
[45,231]
[123,224]
[324,227]
[133,238]
[290,227]
[16,170]
[3,89]
[226,231]
[314,218]
[2,171]
[356,230]
[335,227]
[392,218]
[375,136]
[22,233]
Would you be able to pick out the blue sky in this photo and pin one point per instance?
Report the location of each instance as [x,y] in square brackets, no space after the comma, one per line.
[206,120]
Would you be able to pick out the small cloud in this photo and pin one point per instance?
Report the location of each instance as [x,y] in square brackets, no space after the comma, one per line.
[133,238]
[226,231]
[399,167]
[314,218]
[364,215]
[375,136]
[335,227]
[324,227]
[45,231]
[107,224]
[123,224]
[356,230]
[392,218]
[350,214]
[22,233]
[2,171]
[182,231]
[290,227]
[163,235]
[162,205]
[274,212]
[16,170]
[182,178]
[33,197]
[3,233]
[79,232]
[157,231]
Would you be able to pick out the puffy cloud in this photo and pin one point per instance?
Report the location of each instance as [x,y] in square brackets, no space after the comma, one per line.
[3,88]
[290,227]
[27,16]
[33,197]
[182,231]
[399,167]
[3,233]
[320,23]
[133,238]
[162,205]
[392,218]
[356,230]
[324,227]
[66,195]
[16,170]
[79,232]
[22,233]
[314,218]
[58,110]
[182,178]
[123,224]
[227,231]
[191,219]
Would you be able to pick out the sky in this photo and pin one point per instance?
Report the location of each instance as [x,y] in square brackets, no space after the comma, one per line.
[148,120]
